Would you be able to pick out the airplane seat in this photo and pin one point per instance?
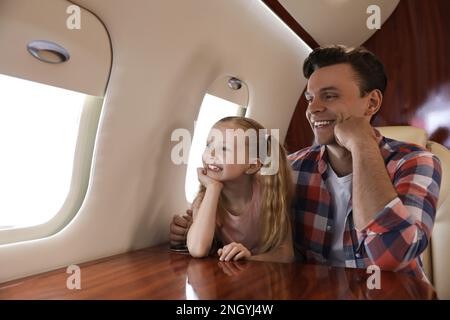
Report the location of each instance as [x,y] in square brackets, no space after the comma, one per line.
[436,258]
[440,255]
[406,133]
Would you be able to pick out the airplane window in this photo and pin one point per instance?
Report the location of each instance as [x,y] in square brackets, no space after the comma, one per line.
[212,109]
[38,133]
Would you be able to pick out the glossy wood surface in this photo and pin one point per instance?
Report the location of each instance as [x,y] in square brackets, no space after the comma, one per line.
[157,273]
[299,134]
[414,47]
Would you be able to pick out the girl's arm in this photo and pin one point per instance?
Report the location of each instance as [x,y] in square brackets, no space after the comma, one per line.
[201,233]
[283,253]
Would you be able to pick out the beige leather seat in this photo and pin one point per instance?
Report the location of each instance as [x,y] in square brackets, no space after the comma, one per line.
[437,256]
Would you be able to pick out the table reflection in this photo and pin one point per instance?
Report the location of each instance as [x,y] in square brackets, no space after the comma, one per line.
[213,279]
[157,273]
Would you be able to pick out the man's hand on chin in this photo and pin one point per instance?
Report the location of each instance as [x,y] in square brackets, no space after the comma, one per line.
[353,132]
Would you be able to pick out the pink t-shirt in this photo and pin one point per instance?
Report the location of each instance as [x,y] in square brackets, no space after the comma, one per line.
[244,228]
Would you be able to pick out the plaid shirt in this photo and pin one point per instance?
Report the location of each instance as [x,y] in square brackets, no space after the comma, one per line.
[396,236]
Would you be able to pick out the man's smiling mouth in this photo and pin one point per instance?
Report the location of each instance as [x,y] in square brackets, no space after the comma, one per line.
[214,168]
[322,123]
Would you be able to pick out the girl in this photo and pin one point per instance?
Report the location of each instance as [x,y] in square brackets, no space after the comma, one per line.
[244,213]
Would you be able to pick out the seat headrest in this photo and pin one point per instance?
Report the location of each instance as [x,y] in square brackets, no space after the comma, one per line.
[406,134]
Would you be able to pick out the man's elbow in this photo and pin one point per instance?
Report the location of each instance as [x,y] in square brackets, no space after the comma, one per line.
[402,259]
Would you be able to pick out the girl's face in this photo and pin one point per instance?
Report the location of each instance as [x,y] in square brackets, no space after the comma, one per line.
[225,159]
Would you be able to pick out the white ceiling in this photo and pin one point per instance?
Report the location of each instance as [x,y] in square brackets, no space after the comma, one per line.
[337,21]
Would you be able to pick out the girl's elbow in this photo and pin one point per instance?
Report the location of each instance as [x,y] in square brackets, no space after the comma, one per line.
[198,255]
[197,252]
[197,248]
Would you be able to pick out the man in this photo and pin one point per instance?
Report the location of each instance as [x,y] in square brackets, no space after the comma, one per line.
[361,199]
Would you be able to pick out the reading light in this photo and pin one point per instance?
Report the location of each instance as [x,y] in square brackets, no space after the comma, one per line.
[234,83]
[47,51]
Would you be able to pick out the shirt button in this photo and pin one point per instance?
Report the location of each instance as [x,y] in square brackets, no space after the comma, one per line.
[329,228]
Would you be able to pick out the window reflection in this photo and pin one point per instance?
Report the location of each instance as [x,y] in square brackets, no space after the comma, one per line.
[434,116]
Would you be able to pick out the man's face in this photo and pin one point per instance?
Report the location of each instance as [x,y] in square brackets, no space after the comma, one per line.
[333,95]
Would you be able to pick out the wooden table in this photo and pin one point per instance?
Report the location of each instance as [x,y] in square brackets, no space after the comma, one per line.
[157,273]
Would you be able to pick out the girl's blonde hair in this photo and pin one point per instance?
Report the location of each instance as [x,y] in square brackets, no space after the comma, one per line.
[275,192]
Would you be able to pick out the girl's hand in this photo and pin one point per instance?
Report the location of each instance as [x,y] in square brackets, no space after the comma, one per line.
[205,180]
[233,251]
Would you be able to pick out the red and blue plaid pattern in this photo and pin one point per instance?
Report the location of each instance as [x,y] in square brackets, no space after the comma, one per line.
[396,236]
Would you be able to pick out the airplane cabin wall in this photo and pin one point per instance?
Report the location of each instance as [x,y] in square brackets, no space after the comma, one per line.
[165,56]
